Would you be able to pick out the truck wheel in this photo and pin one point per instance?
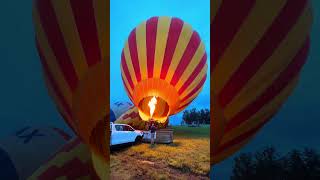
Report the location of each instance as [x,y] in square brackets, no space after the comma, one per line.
[138,140]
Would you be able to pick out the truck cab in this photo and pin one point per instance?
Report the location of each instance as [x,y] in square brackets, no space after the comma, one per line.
[124,134]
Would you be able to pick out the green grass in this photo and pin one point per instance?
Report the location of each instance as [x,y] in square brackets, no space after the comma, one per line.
[194,132]
[187,157]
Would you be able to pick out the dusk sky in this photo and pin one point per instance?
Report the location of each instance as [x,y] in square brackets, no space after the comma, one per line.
[126,15]
[24,98]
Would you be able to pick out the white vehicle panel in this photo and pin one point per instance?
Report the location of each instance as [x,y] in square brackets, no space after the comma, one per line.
[122,133]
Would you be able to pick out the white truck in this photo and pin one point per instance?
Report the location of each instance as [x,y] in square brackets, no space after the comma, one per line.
[124,134]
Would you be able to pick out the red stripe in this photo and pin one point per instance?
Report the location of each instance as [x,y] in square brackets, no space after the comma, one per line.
[278,85]
[54,85]
[184,106]
[173,37]
[74,168]
[225,25]
[126,70]
[63,134]
[186,57]
[196,88]
[194,74]
[51,27]
[241,138]
[151,36]
[127,90]
[134,54]
[84,15]
[264,49]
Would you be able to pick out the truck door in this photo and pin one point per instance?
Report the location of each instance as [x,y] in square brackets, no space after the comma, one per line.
[119,135]
[130,133]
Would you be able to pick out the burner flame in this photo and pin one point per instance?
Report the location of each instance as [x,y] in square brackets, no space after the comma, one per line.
[152,105]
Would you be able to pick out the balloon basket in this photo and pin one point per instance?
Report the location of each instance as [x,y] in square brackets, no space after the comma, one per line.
[162,136]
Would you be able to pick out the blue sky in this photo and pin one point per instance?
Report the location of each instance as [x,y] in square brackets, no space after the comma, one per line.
[126,15]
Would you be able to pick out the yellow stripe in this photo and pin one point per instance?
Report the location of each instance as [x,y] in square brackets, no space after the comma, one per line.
[195,82]
[129,63]
[193,64]
[71,36]
[182,43]
[215,5]
[273,67]
[101,166]
[217,124]
[258,21]
[252,123]
[142,49]
[228,152]
[126,81]
[101,8]
[52,60]
[76,152]
[267,110]
[80,152]
[161,42]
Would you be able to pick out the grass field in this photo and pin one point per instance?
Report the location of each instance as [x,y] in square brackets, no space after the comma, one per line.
[188,157]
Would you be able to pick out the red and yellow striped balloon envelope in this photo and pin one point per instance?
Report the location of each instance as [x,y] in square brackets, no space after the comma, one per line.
[72,161]
[258,50]
[164,58]
[132,118]
[72,41]
[25,150]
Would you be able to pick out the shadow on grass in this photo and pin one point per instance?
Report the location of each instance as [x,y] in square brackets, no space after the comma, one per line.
[175,144]
[120,148]
[124,147]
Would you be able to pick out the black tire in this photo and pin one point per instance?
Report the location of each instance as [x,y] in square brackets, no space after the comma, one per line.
[138,140]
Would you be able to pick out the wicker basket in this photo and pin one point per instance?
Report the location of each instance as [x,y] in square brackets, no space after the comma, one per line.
[163,136]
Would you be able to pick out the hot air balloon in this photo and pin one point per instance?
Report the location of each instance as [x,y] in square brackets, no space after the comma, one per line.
[118,108]
[72,161]
[27,148]
[259,49]
[163,67]
[132,118]
[72,39]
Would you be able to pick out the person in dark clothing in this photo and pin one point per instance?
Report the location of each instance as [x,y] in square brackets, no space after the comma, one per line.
[152,129]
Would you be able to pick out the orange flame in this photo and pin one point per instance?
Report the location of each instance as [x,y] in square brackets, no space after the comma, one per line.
[152,105]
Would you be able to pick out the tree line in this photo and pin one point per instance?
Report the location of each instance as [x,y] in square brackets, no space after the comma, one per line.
[196,117]
[268,164]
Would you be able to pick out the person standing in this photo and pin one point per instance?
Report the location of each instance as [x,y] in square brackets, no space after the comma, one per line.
[153,133]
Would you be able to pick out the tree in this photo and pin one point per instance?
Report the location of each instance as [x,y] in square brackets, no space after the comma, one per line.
[207,118]
[195,116]
[269,165]
[242,167]
[312,163]
[186,117]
